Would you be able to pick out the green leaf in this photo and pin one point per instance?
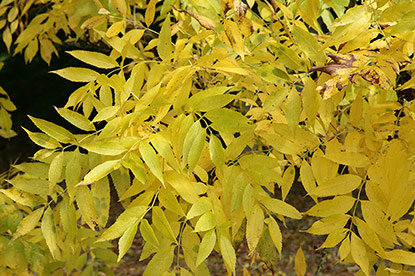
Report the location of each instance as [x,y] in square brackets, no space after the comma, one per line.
[164,46]
[54,131]
[78,120]
[76,74]
[126,240]
[99,172]
[151,160]
[127,218]
[94,58]
[227,120]
[206,246]
[48,227]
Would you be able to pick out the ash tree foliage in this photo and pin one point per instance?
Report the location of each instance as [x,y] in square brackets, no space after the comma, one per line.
[203,115]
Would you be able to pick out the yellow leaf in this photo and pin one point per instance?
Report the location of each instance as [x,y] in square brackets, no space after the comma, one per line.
[307,179]
[162,224]
[94,58]
[289,58]
[400,256]
[201,206]
[106,113]
[54,131]
[182,185]
[42,140]
[334,238]
[307,43]
[93,22]
[77,74]
[254,227]
[7,38]
[126,240]
[300,264]
[227,121]
[151,160]
[203,20]
[105,148]
[56,167]
[206,246]
[310,100]
[368,235]
[68,218]
[328,224]
[282,208]
[161,261]
[293,109]
[76,119]
[48,227]
[164,46]
[359,254]
[86,206]
[193,145]
[206,222]
[148,234]
[29,222]
[341,184]
[127,218]
[235,37]
[275,233]
[344,248]
[337,205]
[228,253]
[115,28]
[217,153]
[100,171]
[150,12]
[378,221]
[169,201]
[121,6]
[356,110]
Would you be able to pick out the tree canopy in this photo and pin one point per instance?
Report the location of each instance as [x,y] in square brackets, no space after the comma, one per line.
[203,116]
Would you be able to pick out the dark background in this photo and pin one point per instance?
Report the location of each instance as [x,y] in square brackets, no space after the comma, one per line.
[34,91]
